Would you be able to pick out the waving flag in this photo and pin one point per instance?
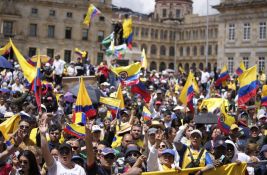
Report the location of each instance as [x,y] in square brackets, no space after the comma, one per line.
[128,31]
[141,89]
[119,96]
[224,75]
[214,103]
[241,68]
[112,104]
[6,49]
[82,54]
[83,102]
[248,85]
[225,120]
[75,130]
[37,85]
[91,13]
[28,70]
[117,51]
[146,114]
[79,118]
[107,41]
[128,75]
[143,59]
[9,126]
[264,96]
[187,93]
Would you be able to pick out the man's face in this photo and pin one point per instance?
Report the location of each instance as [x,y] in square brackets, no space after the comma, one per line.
[230,151]
[75,145]
[254,132]
[54,135]
[167,118]
[195,139]
[136,132]
[65,156]
[25,128]
[127,140]
[107,160]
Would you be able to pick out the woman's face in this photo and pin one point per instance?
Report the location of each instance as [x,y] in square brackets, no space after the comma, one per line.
[188,131]
[24,163]
[216,133]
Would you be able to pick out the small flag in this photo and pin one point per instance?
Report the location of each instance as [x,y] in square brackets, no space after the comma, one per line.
[91,13]
[128,32]
[80,53]
[116,51]
[141,89]
[241,68]
[119,96]
[264,96]
[224,75]
[107,41]
[112,104]
[225,120]
[79,118]
[75,130]
[146,114]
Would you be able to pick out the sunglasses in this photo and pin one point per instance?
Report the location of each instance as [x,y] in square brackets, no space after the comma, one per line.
[133,155]
[109,156]
[24,127]
[64,152]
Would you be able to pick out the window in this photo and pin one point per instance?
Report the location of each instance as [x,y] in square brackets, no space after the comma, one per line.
[170,35]
[247,31]
[67,55]
[230,64]
[142,32]
[33,30]
[195,51]
[32,51]
[178,13]
[216,49]
[34,11]
[202,50]
[263,30]
[100,36]
[152,33]
[69,14]
[209,50]
[156,34]
[261,64]
[136,31]
[153,50]
[164,12]
[68,32]
[153,65]
[100,57]
[146,32]
[162,50]
[50,53]
[171,51]
[51,31]
[161,34]
[181,51]
[101,18]
[165,34]
[85,34]
[188,51]
[7,28]
[231,32]
[246,61]
[52,13]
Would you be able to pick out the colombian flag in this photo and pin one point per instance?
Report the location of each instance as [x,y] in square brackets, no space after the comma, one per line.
[128,75]
[37,85]
[240,69]
[6,49]
[224,75]
[248,85]
[141,89]
[82,54]
[75,130]
[264,95]
[187,92]
[10,126]
[83,102]
[79,118]
[92,12]
[128,31]
[146,114]
[112,104]
[119,96]
[225,120]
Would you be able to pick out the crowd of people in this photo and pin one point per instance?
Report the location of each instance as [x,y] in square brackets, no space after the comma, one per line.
[128,144]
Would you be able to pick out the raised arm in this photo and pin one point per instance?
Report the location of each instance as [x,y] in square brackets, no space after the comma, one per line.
[89,145]
[49,160]
[177,140]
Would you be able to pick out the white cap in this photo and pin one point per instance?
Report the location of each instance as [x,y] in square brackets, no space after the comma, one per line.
[196,131]
[96,128]
[261,114]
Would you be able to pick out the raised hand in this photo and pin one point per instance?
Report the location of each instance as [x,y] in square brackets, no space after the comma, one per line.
[43,127]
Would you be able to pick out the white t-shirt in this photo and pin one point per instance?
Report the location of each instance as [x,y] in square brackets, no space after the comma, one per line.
[58,169]
[204,77]
[58,65]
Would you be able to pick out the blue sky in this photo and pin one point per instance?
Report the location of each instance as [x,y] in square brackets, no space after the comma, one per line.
[147,6]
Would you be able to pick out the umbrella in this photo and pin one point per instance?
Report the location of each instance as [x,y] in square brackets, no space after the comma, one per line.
[44,58]
[4,63]
[93,92]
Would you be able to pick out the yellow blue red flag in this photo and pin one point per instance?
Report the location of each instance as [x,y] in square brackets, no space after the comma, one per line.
[79,118]
[225,120]
[224,75]
[248,85]
[83,102]
[241,68]
[128,75]
[119,96]
[264,95]
[75,130]
[37,85]
[112,104]
[82,54]
[91,13]
[146,114]
[128,31]
[6,49]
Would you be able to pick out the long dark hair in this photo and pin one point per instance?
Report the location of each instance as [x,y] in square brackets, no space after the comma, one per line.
[33,167]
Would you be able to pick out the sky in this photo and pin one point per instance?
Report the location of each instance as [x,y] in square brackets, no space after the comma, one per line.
[147,6]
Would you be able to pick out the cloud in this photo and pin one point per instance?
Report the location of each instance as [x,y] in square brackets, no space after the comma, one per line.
[147,6]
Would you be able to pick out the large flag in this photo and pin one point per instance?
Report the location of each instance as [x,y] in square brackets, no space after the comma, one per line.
[264,96]
[224,75]
[28,70]
[187,93]
[75,130]
[80,53]
[128,75]
[225,120]
[117,51]
[144,59]
[6,49]
[147,116]
[107,41]
[241,68]
[119,96]
[10,126]
[141,89]
[214,103]
[248,85]
[37,85]
[128,31]
[83,102]
[112,104]
[91,13]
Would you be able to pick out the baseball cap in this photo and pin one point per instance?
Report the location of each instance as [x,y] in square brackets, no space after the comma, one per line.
[196,131]
[96,128]
[132,149]
[254,126]
[168,151]
[107,151]
[152,131]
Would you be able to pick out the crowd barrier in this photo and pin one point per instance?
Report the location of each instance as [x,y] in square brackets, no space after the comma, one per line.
[230,169]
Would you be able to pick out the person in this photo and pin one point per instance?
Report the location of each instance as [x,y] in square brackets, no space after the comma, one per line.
[54,135]
[58,66]
[64,165]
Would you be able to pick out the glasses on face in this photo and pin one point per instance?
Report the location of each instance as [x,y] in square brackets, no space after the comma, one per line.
[109,156]
[162,146]
[133,155]
[24,127]
[64,152]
